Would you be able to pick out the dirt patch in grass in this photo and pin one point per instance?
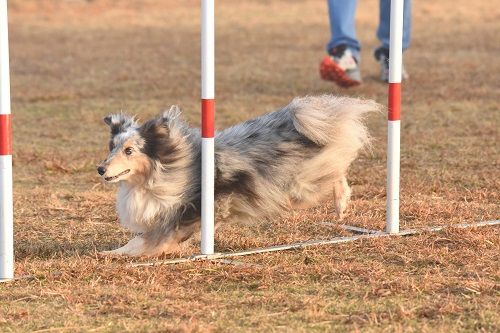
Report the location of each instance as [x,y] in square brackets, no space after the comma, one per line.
[73,62]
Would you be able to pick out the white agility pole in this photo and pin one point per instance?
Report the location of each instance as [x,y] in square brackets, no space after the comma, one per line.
[394,122]
[207,125]
[6,201]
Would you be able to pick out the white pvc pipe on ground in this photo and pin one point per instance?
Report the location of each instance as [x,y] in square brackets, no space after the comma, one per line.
[394,126]
[6,200]
[208,131]
[313,242]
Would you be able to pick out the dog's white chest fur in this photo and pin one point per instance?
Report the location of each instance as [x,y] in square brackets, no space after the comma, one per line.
[139,208]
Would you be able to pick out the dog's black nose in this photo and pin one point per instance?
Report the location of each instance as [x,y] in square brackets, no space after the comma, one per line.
[101,170]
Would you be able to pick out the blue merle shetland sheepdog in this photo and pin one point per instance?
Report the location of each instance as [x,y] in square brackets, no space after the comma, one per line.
[293,158]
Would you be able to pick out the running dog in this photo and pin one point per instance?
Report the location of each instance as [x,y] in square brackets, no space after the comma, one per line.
[293,158]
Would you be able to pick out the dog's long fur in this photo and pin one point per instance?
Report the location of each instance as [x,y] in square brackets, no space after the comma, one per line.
[295,157]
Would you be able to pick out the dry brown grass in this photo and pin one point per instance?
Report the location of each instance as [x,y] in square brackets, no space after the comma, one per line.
[75,61]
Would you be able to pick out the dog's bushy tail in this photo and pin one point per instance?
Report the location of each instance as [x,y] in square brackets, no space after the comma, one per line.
[334,122]
[327,119]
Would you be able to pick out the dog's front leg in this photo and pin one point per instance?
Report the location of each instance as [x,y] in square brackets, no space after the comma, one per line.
[154,243]
[167,240]
[135,247]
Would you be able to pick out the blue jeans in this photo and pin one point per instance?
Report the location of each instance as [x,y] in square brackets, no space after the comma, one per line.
[342,12]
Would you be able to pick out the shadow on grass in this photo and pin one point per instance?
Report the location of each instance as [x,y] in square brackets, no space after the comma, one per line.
[65,249]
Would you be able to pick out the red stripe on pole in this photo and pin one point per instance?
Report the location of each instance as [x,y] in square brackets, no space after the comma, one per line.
[207,118]
[5,134]
[394,101]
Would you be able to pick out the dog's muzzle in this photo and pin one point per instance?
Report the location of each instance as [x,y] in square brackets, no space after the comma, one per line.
[108,179]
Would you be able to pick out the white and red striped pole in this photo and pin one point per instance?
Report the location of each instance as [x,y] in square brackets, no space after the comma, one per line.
[6,201]
[207,125]
[394,122]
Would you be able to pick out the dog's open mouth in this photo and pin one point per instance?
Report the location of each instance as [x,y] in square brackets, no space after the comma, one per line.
[108,179]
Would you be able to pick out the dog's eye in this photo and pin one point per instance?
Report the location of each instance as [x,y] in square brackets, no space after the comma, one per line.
[128,151]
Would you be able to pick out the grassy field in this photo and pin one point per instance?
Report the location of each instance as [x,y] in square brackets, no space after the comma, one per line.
[73,62]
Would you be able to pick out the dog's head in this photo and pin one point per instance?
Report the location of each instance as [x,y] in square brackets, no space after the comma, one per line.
[134,148]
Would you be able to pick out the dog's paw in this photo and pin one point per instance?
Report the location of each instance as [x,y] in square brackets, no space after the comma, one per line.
[134,248]
[109,253]
[342,197]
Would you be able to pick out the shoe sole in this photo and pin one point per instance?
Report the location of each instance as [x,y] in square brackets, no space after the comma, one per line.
[330,71]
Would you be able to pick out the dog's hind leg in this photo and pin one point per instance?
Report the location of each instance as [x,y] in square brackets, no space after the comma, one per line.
[342,194]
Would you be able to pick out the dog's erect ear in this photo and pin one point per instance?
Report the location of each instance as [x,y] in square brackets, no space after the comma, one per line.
[164,137]
[173,112]
[169,116]
[119,122]
[157,140]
